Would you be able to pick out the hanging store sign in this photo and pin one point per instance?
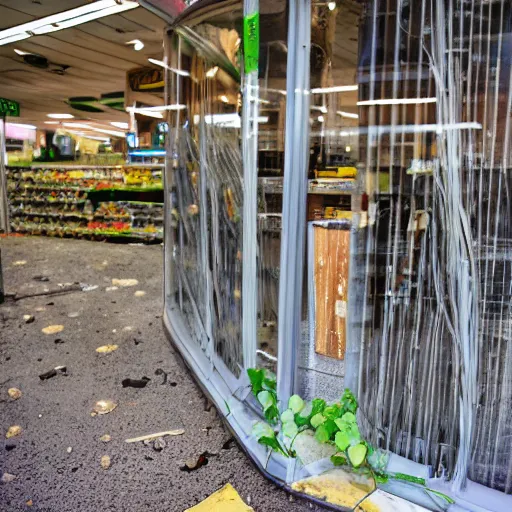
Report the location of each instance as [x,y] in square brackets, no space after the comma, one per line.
[9,108]
[146,80]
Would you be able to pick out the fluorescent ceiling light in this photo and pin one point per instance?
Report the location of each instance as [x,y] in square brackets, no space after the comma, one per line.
[155,111]
[26,126]
[20,52]
[51,122]
[224,98]
[60,116]
[123,126]
[332,6]
[137,44]
[338,88]
[226,120]
[93,128]
[145,112]
[320,119]
[348,115]
[162,64]
[65,19]
[397,101]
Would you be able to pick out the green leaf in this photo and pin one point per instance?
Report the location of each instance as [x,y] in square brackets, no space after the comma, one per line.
[449,500]
[269,381]
[317,420]
[408,478]
[266,399]
[306,411]
[332,412]
[273,443]
[322,434]
[349,417]
[318,405]
[357,454]
[290,429]
[256,379]
[342,440]
[271,413]
[287,416]
[339,459]
[296,404]
[262,429]
[348,402]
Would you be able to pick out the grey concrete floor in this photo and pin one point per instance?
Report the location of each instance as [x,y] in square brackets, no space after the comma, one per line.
[55,414]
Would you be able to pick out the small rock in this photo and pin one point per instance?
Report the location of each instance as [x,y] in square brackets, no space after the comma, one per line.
[40,416]
[40,309]
[69,449]
[43,279]
[13,431]
[14,393]
[107,349]
[28,318]
[29,503]
[73,314]
[9,446]
[53,329]
[139,293]
[159,444]
[135,383]
[105,462]
[111,288]
[7,477]
[59,341]
[125,282]
[104,406]
[105,438]
[19,263]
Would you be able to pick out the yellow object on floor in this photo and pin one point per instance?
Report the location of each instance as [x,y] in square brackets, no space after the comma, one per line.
[224,500]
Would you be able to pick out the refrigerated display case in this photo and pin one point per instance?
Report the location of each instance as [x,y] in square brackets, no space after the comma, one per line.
[337,213]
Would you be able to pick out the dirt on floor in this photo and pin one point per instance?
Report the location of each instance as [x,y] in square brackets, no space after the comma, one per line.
[57,458]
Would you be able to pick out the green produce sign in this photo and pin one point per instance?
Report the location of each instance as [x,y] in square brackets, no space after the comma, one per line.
[251,42]
[9,108]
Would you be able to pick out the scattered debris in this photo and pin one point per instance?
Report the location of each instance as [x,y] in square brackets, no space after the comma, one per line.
[88,287]
[105,462]
[73,314]
[43,279]
[10,446]
[139,293]
[52,373]
[159,371]
[173,384]
[28,318]
[14,393]
[59,341]
[106,438]
[29,503]
[53,329]
[7,477]
[195,463]
[19,263]
[224,499]
[230,443]
[40,309]
[107,349]
[13,431]
[69,449]
[135,383]
[137,341]
[159,444]
[111,288]
[128,328]
[151,437]
[103,407]
[124,282]
[50,303]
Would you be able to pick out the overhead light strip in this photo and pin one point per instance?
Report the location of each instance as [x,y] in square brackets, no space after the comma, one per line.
[396,101]
[65,19]
[337,88]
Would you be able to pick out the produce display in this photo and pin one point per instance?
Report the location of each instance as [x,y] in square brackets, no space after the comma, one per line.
[96,202]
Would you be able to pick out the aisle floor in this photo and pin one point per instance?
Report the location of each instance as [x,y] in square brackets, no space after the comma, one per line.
[56,458]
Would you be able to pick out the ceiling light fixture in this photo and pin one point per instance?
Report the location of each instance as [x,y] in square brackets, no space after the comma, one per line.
[51,122]
[25,126]
[162,64]
[337,88]
[123,126]
[224,98]
[320,119]
[93,128]
[332,6]
[65,19]
[396,101]
[137,44]
[21,52]
[60,116]
[348,115]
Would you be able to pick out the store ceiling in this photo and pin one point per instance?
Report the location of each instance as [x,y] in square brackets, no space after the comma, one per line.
[87,60]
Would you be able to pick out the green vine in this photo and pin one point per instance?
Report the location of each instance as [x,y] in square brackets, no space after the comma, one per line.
[335,424]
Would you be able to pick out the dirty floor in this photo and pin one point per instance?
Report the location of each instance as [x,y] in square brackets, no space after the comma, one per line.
[56,458]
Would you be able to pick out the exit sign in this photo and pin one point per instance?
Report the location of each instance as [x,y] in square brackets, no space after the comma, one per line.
[9,108]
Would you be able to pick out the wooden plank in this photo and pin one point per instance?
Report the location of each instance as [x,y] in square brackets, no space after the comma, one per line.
[332,247]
